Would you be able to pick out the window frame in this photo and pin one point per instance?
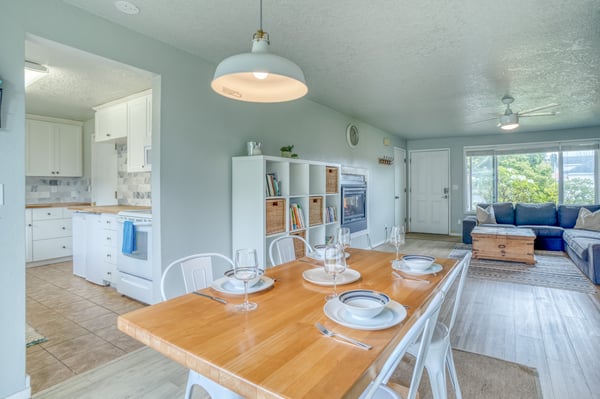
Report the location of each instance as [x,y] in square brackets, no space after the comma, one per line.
[527,148]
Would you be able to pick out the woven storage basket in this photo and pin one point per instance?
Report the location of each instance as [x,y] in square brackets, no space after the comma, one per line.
[315,210]
[299,245]
[331,180]
[275,210]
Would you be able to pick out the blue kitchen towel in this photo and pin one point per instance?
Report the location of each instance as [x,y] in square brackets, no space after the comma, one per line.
[128,237]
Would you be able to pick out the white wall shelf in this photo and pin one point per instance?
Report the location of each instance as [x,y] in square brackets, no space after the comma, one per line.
[298,181]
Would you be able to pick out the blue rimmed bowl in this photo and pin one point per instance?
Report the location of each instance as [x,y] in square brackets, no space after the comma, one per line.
[418,262]
[364,304]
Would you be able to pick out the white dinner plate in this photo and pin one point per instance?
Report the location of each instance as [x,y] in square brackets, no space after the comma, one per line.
[320,277]
[317,256]
[435,268]
[224,285]
[393,314]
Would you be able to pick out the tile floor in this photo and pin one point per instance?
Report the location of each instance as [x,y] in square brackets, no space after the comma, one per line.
[80,321]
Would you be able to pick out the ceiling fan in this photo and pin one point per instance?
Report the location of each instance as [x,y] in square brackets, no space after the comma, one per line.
[510,120]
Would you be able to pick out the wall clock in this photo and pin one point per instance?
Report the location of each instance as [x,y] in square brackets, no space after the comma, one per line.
[352,135]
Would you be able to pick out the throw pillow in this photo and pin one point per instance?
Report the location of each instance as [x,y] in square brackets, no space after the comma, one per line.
[588,220]
[486,216]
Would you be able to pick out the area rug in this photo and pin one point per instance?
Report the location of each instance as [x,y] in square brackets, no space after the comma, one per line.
[481,377]
[553,269]
[33,337]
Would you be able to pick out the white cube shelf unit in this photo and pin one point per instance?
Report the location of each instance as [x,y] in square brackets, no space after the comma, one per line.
[263,210]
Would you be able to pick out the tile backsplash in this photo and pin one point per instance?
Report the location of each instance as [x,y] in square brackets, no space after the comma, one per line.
[133,188]
[44,190]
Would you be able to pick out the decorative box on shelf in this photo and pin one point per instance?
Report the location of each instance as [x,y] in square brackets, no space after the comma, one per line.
[331,180]
[275,210]
[315,211]
[299,249]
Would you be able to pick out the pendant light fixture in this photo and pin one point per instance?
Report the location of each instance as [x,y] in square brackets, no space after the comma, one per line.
[259,76]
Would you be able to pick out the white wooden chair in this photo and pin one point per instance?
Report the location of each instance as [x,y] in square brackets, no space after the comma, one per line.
[196,273]
[424,326]
[440,351]
[282,249]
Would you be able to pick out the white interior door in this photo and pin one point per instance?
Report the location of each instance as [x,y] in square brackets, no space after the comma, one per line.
[429,191]
[399,186]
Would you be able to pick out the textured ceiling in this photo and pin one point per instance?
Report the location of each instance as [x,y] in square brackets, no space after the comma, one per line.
[77,81]
[418,69]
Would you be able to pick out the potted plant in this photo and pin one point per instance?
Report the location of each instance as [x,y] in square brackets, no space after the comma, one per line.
[286,151]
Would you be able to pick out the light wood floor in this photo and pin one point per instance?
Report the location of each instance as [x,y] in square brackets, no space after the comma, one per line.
[553,330]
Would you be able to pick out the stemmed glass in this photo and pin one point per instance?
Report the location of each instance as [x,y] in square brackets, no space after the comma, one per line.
[334,264]
[396,239]
[344,237]
[246,268]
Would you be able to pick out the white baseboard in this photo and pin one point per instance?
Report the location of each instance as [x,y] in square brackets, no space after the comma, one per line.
[25,393]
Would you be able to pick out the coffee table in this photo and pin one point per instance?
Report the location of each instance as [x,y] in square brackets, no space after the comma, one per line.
[503,243]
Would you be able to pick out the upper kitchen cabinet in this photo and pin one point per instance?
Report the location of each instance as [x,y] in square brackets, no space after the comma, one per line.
[53,147]
[111,122]
[139,137]
[129,117]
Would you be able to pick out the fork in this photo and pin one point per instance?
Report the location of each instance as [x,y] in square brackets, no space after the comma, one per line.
[334,335]
[401,277]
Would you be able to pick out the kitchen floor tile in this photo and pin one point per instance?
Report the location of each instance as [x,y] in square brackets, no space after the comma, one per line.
[78,318]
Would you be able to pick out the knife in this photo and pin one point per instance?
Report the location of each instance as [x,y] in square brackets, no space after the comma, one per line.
[214,298]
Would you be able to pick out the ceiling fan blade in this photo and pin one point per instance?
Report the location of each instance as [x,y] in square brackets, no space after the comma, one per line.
[538,109]
[483,120]
[540,114]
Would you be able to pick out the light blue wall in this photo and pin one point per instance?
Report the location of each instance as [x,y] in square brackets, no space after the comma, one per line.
[195,134]
[457,145]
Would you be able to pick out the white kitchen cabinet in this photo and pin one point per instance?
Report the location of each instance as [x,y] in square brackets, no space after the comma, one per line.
[129,117]
[79,229]
[139,136]
[260,215]
[111,122]
[51,234]
[101,255]
[53,148]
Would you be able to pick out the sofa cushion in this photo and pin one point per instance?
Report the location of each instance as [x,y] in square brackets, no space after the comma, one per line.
[579,241]
[486,215]
[503,211]
[567,214]
[544,231]
[588,220]
[535,214]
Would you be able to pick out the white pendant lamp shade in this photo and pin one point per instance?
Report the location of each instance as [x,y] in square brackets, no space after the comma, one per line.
[259,76]
[509,121]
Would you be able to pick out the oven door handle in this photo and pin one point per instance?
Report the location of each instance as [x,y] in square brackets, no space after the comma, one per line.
[138,224]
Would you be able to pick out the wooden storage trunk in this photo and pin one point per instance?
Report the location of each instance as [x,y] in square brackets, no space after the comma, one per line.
[299,249]
[331,180]
[502,243]
[275,211]
[315,210]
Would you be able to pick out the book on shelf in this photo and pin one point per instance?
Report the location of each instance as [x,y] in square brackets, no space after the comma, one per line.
[296,217]
[273,185]
[330,215]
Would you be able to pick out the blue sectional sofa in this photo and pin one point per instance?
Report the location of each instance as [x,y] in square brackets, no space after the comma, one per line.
[553,227]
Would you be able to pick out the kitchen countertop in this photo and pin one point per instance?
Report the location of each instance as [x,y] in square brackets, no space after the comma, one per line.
[106,208]
[57,205]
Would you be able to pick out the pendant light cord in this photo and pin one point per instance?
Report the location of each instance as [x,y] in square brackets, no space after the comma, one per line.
[260,16]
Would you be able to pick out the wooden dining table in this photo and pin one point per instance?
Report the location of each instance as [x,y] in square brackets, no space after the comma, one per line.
[276,351]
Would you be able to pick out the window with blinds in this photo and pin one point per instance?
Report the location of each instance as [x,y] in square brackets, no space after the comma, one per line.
[559,172]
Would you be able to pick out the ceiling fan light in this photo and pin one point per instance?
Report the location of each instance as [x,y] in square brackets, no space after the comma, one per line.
[259,76]
[509,122]
[34,72]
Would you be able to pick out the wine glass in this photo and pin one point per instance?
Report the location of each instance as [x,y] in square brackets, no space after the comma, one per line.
[334,263]
[396,238]
[246,268]
[343,237]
